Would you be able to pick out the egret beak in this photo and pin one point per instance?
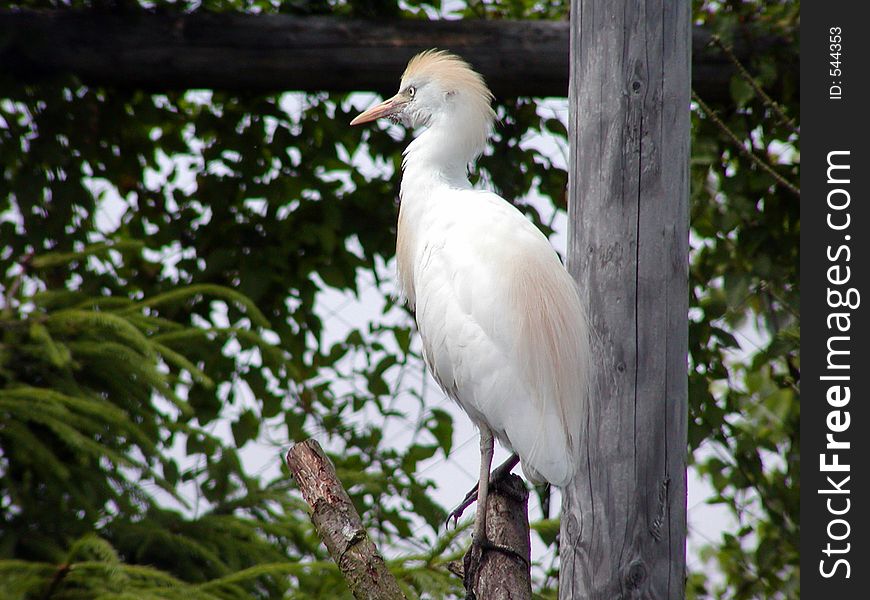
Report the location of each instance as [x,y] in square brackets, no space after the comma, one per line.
[386,108]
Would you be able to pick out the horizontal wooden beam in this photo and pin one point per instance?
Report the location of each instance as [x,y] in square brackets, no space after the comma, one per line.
[265,53]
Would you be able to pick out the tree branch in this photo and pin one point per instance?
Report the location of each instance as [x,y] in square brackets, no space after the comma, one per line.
[270,53]
[778,110]
[340,526]
[747,152]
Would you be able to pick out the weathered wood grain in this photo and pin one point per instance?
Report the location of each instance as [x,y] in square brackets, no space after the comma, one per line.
[265,53]
[624,515]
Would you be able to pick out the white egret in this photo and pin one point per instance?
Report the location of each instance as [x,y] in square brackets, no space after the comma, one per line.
[500,318]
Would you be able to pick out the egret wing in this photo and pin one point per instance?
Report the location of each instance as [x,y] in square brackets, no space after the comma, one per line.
[503,329]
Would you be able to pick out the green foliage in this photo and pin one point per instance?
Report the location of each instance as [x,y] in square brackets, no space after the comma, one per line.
[744,342]
[162,265]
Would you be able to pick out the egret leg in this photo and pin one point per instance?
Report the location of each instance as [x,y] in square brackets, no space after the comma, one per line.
[486,450]
[479,541]
[497,474]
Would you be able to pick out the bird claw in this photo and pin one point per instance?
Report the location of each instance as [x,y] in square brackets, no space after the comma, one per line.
[502,471]
[456,513]
[487,546]
[474,557]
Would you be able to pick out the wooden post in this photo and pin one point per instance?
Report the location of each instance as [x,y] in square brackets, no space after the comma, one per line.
[624,515]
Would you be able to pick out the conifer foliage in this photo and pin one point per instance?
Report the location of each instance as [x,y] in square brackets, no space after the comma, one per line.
[95,392]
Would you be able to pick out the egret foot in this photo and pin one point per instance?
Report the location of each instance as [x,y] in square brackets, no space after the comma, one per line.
[473,560]
[499,473]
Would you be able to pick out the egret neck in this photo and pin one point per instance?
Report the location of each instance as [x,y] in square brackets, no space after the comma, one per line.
[442,152]
[435,161]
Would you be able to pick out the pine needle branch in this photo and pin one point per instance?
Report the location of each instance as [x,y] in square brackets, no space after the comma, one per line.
[181,362]
[283,569]
[204,289]
[55,259]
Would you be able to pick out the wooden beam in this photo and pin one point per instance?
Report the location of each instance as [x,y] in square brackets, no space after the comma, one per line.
[264,53]
[624,516]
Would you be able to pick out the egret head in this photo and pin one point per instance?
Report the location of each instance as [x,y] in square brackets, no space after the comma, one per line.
[437,87]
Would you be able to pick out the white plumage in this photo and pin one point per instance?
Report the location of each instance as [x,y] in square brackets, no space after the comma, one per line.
[497,315]
[501,321]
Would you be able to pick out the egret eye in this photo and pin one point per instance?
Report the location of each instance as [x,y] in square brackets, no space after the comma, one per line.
[411,91]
